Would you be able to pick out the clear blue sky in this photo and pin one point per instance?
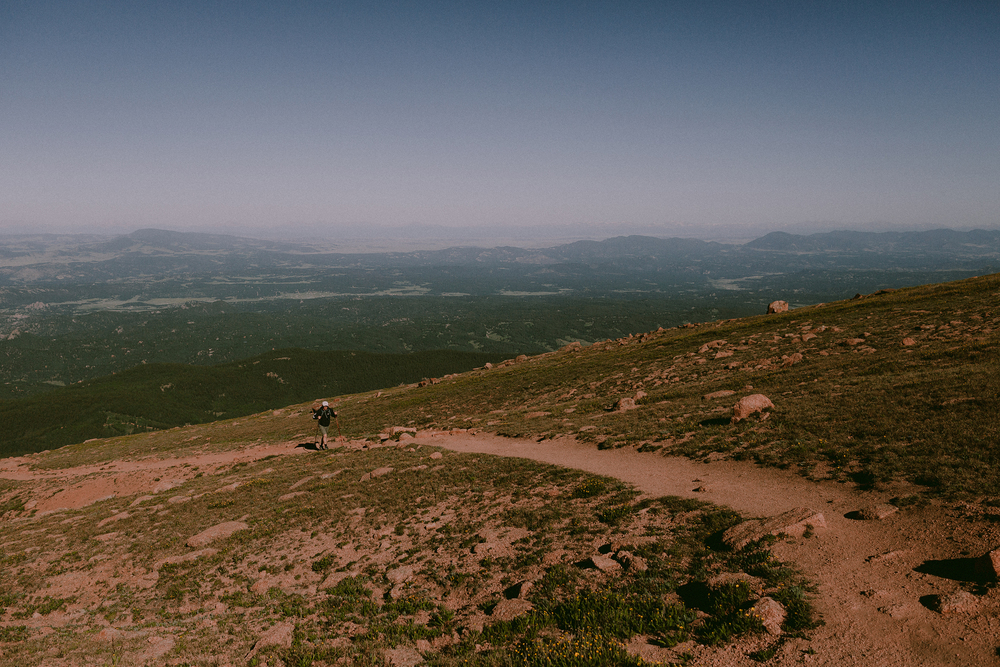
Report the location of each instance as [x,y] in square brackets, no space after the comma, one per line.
[690,116]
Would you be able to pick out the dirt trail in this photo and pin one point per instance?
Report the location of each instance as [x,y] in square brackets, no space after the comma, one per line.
[870,596]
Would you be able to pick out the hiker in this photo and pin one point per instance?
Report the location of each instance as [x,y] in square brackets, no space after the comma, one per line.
[323,414]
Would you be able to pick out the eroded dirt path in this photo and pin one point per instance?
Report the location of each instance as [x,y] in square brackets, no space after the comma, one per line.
[870,594]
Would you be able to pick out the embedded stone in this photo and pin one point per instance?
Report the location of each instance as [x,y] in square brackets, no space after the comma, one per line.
[793,523]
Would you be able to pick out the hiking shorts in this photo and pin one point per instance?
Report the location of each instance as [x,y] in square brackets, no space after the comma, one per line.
[323,429]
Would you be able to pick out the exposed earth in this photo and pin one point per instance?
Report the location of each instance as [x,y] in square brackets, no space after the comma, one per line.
[880,581]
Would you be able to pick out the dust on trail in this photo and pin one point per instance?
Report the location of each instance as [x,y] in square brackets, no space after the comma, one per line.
[869,594]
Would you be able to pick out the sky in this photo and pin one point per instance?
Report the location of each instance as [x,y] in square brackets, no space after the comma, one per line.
[700,119]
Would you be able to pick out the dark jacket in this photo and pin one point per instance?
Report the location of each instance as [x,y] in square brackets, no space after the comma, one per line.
[324,415]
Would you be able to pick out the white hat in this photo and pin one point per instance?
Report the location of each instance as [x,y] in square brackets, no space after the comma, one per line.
[325,404]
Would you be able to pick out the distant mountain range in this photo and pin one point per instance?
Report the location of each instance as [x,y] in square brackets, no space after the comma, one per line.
[153,252]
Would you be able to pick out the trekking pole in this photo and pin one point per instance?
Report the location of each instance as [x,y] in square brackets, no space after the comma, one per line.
[339,436]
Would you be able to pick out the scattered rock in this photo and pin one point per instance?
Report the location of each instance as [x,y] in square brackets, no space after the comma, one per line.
[748,405]
[166,485]
[717,394]
[791,359]
[959,602]
[185,558]
[508,610]
[793,523]
[437,455]
[908,342]
[400,574]
[623,404]
[877,512]
[777,307]
[631,562]
[293,494]
[215,533]
[987,566]
[771,613]
[378,472]
[113,518]
[711,346]
[519,590]
[299,483]
[602,563]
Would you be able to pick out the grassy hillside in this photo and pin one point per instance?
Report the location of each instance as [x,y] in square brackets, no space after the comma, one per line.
[896,385]
[158,396]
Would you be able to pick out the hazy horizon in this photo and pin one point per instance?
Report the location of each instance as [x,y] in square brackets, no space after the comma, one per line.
[511,122]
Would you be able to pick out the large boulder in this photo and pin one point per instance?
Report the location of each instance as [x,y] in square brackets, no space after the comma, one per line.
[748,405]
[777,307]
